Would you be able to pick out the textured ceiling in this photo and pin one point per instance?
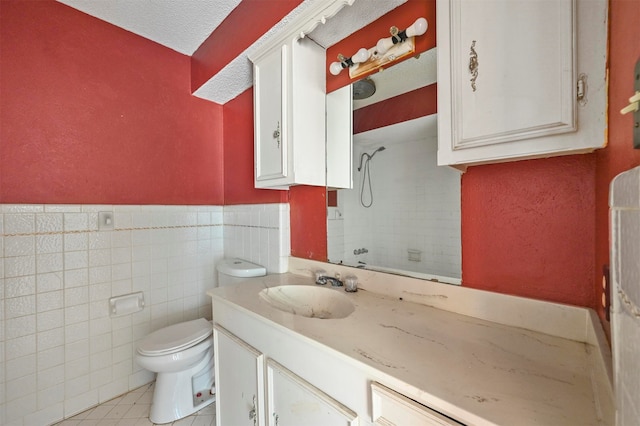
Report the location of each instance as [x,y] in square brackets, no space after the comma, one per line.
[182,25]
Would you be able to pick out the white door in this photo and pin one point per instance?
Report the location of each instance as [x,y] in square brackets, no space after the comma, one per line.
[239,381]
[294,402]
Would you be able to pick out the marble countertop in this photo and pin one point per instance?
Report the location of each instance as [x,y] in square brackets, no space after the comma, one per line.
[477,371]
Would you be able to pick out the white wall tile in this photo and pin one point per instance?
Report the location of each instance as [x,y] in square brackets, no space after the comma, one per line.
[19,223]
[61,271]
[51,338]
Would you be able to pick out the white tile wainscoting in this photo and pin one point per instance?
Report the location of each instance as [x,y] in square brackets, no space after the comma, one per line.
[60,351]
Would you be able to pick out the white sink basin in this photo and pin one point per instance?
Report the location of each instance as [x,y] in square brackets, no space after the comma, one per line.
[308,301]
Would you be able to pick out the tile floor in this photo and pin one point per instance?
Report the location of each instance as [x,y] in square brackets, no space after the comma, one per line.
[132,409]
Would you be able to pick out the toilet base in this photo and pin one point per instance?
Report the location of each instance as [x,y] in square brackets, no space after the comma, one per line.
[174,396]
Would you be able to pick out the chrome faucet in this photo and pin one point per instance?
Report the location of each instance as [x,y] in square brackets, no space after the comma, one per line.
[323,279]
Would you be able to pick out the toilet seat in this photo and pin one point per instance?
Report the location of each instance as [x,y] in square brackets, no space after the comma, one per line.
[175,338]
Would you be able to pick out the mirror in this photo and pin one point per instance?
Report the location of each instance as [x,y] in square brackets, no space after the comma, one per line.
[403,214]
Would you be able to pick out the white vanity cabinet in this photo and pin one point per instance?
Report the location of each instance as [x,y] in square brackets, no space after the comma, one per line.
[289,114]
[520,79]
[244,390]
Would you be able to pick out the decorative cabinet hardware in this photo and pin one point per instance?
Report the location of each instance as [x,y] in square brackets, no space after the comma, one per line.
[582,89]
[276,134]
[275,419]
[253,414]
[473,65]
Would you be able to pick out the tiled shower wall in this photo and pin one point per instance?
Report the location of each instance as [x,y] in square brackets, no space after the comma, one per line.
[60,351]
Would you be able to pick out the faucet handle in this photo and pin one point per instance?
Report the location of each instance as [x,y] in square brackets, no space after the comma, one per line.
[320,275]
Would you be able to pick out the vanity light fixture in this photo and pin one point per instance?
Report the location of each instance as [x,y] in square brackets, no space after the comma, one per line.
[386,51]
[418,28]
[360,56]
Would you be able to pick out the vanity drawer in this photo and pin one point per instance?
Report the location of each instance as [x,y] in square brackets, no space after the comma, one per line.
[392,408]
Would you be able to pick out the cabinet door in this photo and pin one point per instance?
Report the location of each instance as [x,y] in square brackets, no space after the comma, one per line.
[239,370]
[508,83]
[270,126]
[391,408]
[524,62]
[340,138]
[294,402]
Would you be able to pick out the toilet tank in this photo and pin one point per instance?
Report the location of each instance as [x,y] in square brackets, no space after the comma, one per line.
[233,271]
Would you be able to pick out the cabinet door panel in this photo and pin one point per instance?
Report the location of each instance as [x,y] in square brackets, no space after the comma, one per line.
[525,69]
[239,381]
[270,146]
[295,402]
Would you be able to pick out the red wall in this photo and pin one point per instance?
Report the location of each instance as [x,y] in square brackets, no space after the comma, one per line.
[94,114]
[624,51]
[528,228]
[407,106]
[308,206]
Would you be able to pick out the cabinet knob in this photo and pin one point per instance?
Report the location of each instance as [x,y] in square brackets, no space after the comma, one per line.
[276,134]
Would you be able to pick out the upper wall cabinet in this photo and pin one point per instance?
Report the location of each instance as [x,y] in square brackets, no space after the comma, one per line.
[289,103]
[289,115]
[520,79]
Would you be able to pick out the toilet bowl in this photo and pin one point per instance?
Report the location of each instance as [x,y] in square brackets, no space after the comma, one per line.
[181,355]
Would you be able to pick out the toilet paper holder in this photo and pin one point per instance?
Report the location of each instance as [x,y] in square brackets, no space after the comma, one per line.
[126,304]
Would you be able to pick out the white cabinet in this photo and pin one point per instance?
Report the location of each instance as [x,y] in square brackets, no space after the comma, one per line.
[239,372]
[290,400]
[290,105]
[289,115]
[293,401]
[520,79]
[340,138]
[391,408]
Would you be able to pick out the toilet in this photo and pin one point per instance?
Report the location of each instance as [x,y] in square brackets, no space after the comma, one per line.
[181,355]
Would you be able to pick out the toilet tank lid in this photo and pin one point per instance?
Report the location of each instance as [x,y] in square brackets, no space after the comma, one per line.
[176,337]
[241,268]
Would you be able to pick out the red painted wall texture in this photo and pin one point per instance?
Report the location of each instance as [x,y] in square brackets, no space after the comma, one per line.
[414,104]
[528,228]
[94,114]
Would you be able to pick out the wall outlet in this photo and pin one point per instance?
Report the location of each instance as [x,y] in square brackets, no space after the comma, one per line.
[105,221]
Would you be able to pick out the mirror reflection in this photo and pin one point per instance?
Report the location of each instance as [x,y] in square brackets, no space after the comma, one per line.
[403,213]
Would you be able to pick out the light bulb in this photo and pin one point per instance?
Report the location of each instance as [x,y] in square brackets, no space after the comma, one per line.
[418,28]
[383,45]
[335,68]
[361,56]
